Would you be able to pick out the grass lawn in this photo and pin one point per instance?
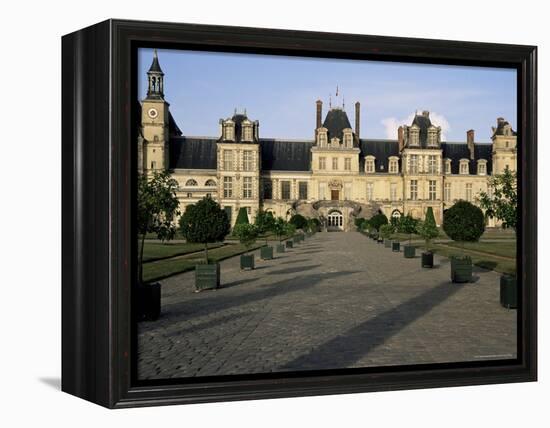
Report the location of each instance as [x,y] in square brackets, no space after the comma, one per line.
[503,249]
[156,270]
[159,250]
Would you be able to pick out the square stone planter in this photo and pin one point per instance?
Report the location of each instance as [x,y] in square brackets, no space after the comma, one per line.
[387,243]
[247,261]
[289,244]
[207,276]
[409,251]
[508,291]
[280,248]
[266,253]
[461,269]
[148,301]
[395,246]
[427,260]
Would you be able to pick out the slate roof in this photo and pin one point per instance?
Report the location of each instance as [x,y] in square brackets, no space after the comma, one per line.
[423,122]
[193,153]
[381,150]
[281,155]
[501,124]
[457,151]
[336,121]
[155,66]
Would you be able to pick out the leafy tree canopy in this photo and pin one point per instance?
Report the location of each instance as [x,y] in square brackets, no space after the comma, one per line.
[502,200]
[428,228]
[264,221]
[386,230]
[279,227]
[464,222]
[247,234]
[378,220]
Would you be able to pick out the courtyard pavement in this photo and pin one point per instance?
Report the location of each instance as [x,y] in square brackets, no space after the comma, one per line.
[336,300]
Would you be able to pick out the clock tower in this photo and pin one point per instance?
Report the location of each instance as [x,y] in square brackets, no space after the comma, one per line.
[154,122]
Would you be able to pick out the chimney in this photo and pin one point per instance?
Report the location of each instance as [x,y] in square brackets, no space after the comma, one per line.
[426,113]
[357,118]
[319,113]
[470,138]
[400,138]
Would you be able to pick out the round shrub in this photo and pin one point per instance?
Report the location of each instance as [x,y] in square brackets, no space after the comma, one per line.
[378,220]
[299,221]
[464,222]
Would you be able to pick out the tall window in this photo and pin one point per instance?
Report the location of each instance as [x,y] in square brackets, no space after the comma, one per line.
[370,191]
[334,163]
[414,190]
[247,187]
[302,190]
[447,192]
[447,166]
[322,139]
[322,191]
[228,132]
[481,168]
[413,168]
[285,190]
[347,164]
[248,163]
[464,167]
[228,160]
[227,187]
[267,189]
[347,191]
[432,164]
[432,137]
[247,133]
[432,194]
[469,192]
[369,165]
[347,139]
[393,191]
[322,163]
[393,167]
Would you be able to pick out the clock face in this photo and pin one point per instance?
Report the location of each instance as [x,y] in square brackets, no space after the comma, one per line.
[152,113]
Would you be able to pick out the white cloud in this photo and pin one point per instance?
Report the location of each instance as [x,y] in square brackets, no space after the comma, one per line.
[391,124]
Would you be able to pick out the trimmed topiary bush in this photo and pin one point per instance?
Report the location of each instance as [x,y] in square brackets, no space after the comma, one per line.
[377,221]
[428,228]
[242,217]
[464,222]
[299,221]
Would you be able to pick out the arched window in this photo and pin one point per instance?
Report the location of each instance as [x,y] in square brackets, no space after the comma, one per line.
[210,183]
[191,182]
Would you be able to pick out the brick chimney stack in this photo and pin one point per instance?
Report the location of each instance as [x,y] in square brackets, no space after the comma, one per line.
[357,118]
[319,122]
[400,138]
[470,138]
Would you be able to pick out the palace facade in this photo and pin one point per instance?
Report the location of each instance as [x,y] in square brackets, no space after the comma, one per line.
[336,176]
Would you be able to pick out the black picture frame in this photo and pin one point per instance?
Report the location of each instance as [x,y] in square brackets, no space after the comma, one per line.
[98,83]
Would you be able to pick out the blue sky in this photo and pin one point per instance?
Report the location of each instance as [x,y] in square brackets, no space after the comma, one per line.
[280,92]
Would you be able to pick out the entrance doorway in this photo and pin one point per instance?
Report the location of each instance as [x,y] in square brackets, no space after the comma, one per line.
[335,195]
[335,221]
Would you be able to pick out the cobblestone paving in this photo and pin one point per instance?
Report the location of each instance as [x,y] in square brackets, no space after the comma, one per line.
[336,300]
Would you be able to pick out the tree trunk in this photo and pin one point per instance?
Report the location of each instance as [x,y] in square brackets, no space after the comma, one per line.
[140,261]
[206,252]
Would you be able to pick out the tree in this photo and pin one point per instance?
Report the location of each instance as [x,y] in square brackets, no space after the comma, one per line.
[360,223]
[408,224]
[247,234]
[279,227]
[204,222]
[157,209]
[299,221]
[428,228]
[464,222]
[386,230]
[313,224]
[264,222]
[378,220]
[242,216]
[502,201]
[289,229]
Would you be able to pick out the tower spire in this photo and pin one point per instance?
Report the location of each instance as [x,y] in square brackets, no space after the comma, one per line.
[155,78]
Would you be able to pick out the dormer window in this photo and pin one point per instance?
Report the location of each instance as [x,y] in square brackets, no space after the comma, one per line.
[447,166]
[335,142]
[229,130]
[322,137]
[482,167]
[414,132]
[247,131]
[348,138]
[464,166]
[369,164]
[393,167]
[432,136]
